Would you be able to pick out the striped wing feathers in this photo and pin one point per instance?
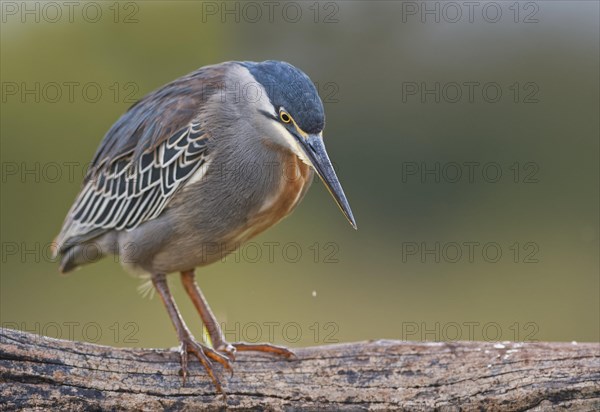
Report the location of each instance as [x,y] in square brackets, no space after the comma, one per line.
[131,190]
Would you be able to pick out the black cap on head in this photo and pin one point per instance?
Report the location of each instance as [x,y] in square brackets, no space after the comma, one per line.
[290,88]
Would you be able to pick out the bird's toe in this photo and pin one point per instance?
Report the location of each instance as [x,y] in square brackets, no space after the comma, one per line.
[228,350]
[204,354]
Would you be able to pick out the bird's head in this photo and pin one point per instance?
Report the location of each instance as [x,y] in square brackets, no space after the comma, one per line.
[296,116]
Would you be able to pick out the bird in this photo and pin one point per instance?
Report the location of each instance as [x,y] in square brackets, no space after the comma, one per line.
[193,170]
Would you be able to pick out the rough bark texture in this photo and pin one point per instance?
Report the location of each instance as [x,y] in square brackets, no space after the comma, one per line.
[44,373]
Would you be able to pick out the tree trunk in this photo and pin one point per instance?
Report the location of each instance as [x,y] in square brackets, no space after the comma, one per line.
[44,373]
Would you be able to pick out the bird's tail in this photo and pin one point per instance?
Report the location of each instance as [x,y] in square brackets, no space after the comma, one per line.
[79,250]
[76,256]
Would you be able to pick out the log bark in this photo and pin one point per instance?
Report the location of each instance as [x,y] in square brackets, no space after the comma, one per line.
[44,373]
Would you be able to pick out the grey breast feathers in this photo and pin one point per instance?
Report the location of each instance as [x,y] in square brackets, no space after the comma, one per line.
[147,155]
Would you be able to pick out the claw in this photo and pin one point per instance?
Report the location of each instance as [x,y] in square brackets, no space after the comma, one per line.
[184,362]
[218,357]
[189,345]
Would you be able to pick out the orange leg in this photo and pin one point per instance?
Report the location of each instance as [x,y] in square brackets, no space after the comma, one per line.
[214,329]
[187,341]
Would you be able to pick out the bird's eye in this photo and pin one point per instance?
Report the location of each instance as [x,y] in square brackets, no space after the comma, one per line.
[285,118]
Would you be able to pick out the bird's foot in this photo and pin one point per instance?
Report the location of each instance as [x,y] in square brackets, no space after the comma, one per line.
[204,355]
[229,349]
[223,354]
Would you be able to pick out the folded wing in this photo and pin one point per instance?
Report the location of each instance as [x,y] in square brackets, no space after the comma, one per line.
[148,154]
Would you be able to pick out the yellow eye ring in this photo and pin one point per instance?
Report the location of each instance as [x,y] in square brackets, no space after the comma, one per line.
[285,118]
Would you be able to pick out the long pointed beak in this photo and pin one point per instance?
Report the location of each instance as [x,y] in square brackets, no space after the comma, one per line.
[315,151]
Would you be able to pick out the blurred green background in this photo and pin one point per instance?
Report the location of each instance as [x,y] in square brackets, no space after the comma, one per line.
[389,73]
